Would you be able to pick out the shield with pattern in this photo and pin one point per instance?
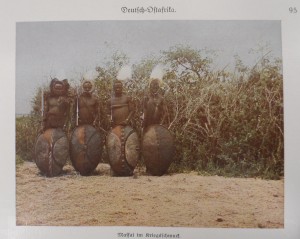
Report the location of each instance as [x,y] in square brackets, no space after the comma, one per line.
[51,151]
[123,149]
[86,149]
[157,149]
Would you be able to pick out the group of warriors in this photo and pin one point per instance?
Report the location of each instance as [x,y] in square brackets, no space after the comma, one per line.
[86,144]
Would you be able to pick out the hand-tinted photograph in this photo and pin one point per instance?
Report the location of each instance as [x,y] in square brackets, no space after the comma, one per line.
[149,123]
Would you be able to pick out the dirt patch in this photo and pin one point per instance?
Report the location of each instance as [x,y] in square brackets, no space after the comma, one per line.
[179,200]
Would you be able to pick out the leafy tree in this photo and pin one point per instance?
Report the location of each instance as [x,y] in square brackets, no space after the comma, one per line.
[186,62]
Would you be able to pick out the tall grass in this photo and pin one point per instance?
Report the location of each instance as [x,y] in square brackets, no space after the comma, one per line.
[27,128]
[232,128]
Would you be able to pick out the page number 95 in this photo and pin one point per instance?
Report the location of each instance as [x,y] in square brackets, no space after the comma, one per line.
[293,10]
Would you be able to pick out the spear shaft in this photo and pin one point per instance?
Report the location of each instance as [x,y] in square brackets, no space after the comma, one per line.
[77,107]
[42,103]
[111,100]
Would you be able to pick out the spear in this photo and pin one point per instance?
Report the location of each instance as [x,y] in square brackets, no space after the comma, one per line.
[42,102]
[142,127]
[111,96]
[77,107]
[42,109]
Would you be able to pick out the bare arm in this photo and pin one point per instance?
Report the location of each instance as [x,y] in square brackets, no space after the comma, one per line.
[109,111]
[164,111]
[97,112]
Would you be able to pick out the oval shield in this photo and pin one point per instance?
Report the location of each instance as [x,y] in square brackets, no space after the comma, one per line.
[123,149]
[51,151]
[86,149]
[157,149]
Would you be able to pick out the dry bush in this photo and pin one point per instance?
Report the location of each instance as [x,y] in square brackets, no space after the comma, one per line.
[226,123]
[232,127]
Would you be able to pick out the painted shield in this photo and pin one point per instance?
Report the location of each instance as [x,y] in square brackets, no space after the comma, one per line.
[51,151]
[157,149]
[123,149]
[86,149]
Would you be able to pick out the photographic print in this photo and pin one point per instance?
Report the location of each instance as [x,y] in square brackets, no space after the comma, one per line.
[156,123]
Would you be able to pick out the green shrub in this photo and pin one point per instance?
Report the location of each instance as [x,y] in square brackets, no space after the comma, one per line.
[27,128]
[19,160]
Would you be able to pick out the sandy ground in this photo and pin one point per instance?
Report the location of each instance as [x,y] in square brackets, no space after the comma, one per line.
[179,200]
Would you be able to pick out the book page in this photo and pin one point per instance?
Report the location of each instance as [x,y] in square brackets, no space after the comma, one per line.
[229,93]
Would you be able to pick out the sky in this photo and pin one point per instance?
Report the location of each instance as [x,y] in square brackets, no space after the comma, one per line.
[70,49]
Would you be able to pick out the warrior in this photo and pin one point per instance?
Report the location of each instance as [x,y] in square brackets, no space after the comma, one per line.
[157,141]
[88,105]
[154,106]
[57,105]
[86,141]
[120,107]
[122,142]
[52,148]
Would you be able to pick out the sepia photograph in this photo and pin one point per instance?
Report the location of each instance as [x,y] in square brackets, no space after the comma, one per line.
[150,123]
